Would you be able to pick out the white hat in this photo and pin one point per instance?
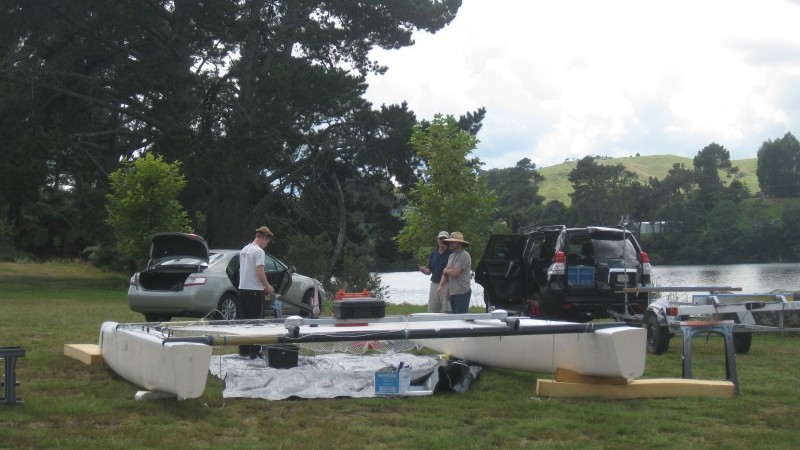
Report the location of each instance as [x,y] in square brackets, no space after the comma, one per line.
[443,234]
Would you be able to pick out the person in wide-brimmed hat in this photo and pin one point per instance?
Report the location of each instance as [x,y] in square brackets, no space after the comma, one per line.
[456,275]
[437,260]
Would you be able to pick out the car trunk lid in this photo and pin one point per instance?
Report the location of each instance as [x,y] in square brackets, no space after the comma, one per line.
[173,257]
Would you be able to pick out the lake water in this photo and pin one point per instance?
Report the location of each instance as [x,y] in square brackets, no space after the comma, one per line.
[412,287]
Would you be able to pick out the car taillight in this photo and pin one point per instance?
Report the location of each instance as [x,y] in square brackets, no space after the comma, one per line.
[133,282]
[645,260]
[558,267]
[194,281]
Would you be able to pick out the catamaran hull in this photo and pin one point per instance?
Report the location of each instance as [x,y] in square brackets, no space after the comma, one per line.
[174,358]
[179,369]
[613,352]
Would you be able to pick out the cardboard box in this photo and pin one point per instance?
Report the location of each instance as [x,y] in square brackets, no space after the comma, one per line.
[392,382]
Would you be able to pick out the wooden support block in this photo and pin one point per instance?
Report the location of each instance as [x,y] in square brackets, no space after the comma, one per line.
[86,353]
[570,376]
[654,388]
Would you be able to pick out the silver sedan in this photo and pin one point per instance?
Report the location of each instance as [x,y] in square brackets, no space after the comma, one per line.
[193,286]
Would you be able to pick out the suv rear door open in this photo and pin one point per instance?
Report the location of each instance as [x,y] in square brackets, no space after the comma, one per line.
[500,271]
[513,265]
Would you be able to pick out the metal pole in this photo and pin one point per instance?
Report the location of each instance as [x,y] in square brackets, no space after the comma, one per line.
[295,337]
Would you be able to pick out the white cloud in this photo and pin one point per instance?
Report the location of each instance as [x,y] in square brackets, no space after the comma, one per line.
[574,78]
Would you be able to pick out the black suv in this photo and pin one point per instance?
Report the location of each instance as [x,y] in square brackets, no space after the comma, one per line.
[555,272]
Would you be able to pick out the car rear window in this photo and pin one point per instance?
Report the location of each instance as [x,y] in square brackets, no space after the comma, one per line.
[613,247]
[213,258]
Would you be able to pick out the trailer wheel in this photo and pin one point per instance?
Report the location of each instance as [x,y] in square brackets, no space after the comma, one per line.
[742,342]
[657,335]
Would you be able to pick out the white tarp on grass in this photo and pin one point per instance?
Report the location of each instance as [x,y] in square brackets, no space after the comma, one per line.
[321,376]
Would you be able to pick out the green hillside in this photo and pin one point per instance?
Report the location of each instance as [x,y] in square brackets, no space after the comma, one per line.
[557,186]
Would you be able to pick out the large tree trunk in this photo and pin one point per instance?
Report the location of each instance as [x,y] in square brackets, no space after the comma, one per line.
[338,248]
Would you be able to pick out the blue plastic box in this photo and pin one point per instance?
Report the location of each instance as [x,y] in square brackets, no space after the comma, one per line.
[580,275]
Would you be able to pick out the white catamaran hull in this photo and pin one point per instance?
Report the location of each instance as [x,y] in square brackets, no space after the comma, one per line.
[612,352]
[143,359]
[142,355]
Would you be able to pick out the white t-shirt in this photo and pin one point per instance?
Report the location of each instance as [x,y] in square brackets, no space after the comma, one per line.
[251,257]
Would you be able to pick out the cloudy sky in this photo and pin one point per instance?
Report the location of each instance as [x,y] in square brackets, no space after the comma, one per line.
[568,78]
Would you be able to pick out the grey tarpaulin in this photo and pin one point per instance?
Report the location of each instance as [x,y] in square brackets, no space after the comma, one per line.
[328,375]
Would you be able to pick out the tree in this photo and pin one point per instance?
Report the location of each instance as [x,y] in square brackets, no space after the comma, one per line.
[709,161]
[778,167]
[451,195]
[517,190]
[600,192]
[260,100]
[143,201]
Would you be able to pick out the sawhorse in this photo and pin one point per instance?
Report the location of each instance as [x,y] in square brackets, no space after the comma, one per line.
[721,327]
[9,355]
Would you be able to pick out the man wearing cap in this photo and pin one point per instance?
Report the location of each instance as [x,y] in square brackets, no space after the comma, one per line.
[253,284]
[436,263]
[456,275]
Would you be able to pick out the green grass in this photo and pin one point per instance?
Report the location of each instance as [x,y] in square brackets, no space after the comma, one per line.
[557,186]
[72,405]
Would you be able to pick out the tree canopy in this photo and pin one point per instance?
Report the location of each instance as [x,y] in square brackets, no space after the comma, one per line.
[779,167]
[262,101]
[451,195]
[144,201]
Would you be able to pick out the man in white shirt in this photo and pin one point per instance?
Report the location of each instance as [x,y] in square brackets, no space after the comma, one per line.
[253,284]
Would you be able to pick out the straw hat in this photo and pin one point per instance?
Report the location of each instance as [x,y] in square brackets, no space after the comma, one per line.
[457,236]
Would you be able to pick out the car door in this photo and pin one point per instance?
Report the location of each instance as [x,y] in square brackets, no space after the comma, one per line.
[278,274]
[501,271]
[542,247]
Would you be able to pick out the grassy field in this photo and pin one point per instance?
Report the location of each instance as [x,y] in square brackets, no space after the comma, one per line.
[557,186]
[72,405]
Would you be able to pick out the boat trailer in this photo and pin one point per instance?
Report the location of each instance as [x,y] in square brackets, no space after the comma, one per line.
[750,313]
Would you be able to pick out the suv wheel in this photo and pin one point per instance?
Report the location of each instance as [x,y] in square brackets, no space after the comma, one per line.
[549,304]
[657,335]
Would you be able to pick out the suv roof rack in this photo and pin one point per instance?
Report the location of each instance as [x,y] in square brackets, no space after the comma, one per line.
[531,228]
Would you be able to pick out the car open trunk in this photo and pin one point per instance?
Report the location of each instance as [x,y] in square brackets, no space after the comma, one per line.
[162,281]
[173,257]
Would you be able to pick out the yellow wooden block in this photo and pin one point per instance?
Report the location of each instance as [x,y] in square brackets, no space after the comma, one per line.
[85,353]
[570,376]
[653,388]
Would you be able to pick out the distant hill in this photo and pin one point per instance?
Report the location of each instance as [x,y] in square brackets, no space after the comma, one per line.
[556,185]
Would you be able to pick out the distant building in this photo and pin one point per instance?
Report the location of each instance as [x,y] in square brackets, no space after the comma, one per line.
[660,227]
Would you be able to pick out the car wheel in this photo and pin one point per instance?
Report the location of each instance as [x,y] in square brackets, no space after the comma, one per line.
[157,318]
[657,335]
[228,308]
[742,342]
[308,299]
